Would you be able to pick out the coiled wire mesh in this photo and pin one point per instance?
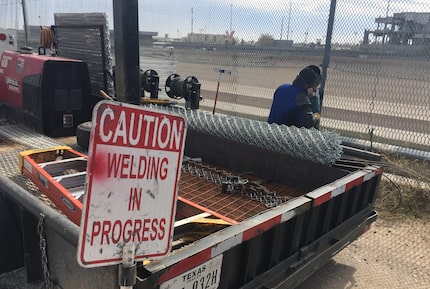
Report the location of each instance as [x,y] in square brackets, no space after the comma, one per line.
[309,144]
[234,184]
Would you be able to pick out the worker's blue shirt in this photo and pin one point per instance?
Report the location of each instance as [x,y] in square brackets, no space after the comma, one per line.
[291,106]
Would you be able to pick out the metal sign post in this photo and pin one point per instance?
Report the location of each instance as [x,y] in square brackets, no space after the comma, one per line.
[134,160]
[127,270]
[220,71]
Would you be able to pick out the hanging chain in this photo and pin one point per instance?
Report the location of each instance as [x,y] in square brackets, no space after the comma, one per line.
[234,184]
[42,245]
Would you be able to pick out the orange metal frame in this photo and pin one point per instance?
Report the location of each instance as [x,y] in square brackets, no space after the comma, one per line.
[30,166]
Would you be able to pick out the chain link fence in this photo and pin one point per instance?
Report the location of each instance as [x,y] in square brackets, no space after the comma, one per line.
[375,58]
[374,54]
[376,65]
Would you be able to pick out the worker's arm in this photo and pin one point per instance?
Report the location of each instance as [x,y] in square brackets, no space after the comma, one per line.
[305,108]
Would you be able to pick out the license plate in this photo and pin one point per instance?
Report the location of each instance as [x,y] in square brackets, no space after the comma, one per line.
[204,276]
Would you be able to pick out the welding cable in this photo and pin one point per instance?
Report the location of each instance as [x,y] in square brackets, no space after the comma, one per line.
[46,37]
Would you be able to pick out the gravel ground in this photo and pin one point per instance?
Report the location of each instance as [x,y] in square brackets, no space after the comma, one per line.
[395,253]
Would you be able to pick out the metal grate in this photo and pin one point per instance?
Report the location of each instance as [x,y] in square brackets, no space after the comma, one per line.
[23,135]
[9,168]
[233,206]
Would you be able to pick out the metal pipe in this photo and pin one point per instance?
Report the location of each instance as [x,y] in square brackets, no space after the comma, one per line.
[24,16]
[127,67]
[327,47]
[386,148]
[363,154]
[53,219]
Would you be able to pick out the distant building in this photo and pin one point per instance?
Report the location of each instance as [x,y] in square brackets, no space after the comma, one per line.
[208,38]
[407,28]
[161,44]
[147,36]
[283,43]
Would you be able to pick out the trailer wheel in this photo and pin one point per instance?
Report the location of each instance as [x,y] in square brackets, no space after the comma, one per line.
[83,134]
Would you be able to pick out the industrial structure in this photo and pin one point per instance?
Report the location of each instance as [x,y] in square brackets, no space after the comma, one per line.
[406,28]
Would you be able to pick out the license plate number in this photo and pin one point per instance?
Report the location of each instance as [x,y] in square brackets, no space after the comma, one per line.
[204,276]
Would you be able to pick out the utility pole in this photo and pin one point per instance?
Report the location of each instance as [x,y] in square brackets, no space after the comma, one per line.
[231,18]
[289,21]
[192,19]
[24,14]
[327,47]
[282,27]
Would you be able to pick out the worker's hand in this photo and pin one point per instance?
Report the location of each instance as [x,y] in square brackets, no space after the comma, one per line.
[317,116]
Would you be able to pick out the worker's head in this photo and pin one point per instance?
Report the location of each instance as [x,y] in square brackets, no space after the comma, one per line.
[307,79]
[317,71]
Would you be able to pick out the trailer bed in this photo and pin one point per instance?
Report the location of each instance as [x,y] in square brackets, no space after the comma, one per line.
[327,208]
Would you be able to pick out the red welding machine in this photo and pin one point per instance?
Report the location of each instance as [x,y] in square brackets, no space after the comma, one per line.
[49,93]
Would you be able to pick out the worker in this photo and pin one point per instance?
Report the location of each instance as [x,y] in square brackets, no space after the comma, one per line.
[291,102]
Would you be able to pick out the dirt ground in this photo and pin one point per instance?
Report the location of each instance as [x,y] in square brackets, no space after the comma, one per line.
[394,253]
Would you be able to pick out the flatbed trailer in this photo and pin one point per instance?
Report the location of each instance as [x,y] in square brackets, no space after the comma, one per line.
[321,210]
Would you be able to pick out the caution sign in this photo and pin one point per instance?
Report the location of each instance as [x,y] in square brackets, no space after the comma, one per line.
[134,162]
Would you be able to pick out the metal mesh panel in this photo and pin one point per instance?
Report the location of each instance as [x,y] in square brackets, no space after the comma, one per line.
[86,37]
[24,136]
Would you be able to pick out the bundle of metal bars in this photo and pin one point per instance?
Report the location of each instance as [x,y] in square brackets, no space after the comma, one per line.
[233,195]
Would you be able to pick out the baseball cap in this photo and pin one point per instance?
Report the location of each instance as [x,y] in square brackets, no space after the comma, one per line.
[308,75]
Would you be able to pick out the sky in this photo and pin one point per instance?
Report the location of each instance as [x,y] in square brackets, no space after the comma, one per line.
[297,20]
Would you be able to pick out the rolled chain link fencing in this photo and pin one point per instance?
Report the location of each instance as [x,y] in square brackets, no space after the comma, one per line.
[310,144]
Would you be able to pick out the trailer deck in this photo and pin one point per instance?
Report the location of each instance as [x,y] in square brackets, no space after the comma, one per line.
[280,246]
